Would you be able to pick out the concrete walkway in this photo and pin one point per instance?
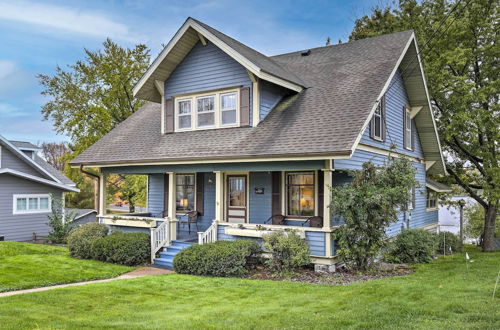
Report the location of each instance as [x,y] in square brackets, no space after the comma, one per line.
[141,272]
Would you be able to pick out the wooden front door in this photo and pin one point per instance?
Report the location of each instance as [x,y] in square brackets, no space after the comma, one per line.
[236,204]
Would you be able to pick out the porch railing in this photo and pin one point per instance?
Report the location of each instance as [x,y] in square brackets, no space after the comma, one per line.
[160,236]
[209,235]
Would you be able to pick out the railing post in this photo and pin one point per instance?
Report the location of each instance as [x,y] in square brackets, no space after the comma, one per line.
[200,237]
[153,245]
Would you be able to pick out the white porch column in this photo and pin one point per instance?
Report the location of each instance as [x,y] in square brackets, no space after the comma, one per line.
[219,196]
[102,194]
[172,207]
[327,194]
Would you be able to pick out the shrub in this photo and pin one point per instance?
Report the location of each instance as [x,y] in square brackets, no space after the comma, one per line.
[447,241]
[222,258]
[80,241]
[412,246]
[127,249]
[59,229]
[288,251]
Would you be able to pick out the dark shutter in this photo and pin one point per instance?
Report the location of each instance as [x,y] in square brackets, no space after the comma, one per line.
[413,135]
[384,122]
[404,127]
[245,106]
[413,197]
[199,193]
[165,195]
[372,127]
[276,192]
[169,115]
[321,192]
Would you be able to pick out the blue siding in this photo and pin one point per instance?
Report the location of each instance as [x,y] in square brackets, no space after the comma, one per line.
[207,68]
[260,204]
[155,194]
[270,95]
[395,98]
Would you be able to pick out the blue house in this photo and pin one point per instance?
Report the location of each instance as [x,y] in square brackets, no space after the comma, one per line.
[237,144]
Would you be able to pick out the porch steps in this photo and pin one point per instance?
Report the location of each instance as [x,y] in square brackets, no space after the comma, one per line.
[166,258]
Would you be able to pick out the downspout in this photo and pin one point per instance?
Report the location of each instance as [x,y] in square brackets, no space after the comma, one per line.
[96,188]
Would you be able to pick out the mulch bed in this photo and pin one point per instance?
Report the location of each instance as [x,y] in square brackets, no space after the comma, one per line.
[341,277]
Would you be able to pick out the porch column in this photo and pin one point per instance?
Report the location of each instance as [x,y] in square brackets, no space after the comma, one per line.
[327,195]
[219,196]
[102,194]
[172,207]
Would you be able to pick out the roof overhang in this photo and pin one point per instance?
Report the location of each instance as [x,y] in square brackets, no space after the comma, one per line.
[437,186]
[414,79]
[38,179]
[179,46]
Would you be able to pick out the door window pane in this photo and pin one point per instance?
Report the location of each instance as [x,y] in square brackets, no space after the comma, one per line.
[300,194]
[21,204]
[237,192]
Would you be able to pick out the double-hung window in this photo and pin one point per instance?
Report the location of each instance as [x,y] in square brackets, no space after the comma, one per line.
[431,199]
[31,204]
[300,192]
[408,133]
[207,111]
[185,190]
[377,124]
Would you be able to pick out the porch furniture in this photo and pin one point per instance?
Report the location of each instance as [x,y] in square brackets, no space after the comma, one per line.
[315,221]
[189,218]
[277,219]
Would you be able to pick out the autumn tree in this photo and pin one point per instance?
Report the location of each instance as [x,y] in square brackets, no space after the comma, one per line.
[460,47]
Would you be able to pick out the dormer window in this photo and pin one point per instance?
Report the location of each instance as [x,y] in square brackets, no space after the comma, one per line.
[207,111]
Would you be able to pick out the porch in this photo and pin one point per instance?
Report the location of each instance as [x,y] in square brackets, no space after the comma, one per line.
[201,203]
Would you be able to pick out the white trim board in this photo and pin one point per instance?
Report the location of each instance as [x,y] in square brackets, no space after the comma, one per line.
[38,179]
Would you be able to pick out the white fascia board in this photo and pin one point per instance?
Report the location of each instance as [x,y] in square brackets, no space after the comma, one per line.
[38,179]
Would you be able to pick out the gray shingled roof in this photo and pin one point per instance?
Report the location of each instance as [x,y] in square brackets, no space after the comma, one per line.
[343,82]
[23,145]
[438,186]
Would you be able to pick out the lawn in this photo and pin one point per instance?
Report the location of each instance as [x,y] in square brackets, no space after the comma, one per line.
[26,265]
[440,295]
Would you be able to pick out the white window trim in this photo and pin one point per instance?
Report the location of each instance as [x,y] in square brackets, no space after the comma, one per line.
[408,130]
[38,196]
[375,137]
[217,110]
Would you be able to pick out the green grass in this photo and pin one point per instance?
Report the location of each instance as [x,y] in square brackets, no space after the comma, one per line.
[440,295]
[26,265]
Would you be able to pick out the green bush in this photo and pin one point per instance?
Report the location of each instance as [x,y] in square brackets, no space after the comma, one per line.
[288,251]
[129,249]
[447,241]
[412,246]
[80,240]
[222,258]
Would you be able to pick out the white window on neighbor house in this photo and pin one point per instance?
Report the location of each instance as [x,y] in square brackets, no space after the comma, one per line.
[408,129]
[26,204]
[207,111]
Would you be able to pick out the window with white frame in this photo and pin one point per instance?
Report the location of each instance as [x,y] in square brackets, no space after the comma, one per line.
[23,204]
[300,193]
[207,111]
[185,191]
[377,124]
[431,199]
[408,129]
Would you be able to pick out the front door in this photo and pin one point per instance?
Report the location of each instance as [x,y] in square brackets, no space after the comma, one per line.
[236,206]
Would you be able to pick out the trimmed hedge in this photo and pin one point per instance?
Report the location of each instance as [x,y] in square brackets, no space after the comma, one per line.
[288,251]
[412,246]
[222,258]
[129,249]
[80,240]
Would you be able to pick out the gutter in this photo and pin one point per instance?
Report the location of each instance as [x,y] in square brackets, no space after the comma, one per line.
[97,179]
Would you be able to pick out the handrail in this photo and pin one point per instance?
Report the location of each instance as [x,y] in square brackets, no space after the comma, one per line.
[209,235]
[160,236]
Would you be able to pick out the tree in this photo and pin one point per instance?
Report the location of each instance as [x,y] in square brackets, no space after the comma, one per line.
[459,49]
[474,221]
[54,152]
[90,98]
[128,188]
[368,206]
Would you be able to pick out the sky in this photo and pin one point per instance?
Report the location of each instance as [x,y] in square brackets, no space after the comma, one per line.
[38,36]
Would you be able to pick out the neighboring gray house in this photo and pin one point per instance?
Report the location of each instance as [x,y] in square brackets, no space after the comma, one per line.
[82,216]
[27,186]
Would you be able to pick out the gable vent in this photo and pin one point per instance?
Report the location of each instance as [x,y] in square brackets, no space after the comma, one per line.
[305,53]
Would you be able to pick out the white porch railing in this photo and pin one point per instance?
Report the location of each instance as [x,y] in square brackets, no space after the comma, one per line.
[160,236]
[209,235]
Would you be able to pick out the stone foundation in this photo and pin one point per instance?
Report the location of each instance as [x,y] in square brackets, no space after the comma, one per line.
[324,268]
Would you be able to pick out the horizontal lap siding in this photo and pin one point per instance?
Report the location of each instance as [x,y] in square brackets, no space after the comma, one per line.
[206,68]
[14,162]
[208,202]
[395,99]
[155,194]
[20,227]
[270,95]
[260,204]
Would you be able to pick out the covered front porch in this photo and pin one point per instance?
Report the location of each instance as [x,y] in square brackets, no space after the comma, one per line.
[207,202]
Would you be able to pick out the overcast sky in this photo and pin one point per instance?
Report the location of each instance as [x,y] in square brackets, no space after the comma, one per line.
[37,36]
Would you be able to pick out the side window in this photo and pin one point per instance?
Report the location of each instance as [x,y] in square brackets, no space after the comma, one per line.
[377,125]
[408,129]
[184,114]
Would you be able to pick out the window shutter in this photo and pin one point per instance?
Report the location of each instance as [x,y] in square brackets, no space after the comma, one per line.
[169,115]
[384,122]
[245,106]
[413,135]
[413,198]
[404,127]
[276,192]
[199,193]
[372,127]
[165,196]
[321,192]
